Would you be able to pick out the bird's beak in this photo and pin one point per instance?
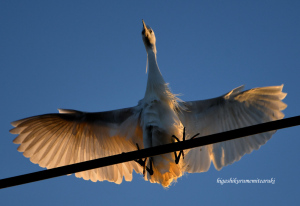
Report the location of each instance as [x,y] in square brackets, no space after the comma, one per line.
[145,26]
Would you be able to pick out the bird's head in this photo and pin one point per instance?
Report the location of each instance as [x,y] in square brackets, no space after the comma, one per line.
[148,38]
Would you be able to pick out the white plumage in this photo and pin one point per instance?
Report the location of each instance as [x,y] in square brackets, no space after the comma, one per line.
[54,140]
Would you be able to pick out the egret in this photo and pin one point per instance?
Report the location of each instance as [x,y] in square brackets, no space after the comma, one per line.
[70,136]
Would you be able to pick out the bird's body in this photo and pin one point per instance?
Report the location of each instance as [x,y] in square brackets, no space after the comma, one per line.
[159,122]
[53,140]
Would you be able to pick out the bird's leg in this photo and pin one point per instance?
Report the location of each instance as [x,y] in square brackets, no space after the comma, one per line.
[143,163]
[177,157]
[151,164]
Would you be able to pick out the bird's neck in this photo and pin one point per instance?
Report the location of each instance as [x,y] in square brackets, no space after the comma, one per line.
[154,73]
[156,85]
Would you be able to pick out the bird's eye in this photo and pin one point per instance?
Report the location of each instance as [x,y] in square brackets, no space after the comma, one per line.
[150,31]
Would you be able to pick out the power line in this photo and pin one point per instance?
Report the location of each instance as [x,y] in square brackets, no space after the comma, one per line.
[130,156]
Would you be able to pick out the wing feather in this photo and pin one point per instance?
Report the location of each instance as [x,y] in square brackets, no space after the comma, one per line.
[54,140]
[233,110]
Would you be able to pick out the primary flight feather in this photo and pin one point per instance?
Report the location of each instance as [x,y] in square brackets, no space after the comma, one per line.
[70,136]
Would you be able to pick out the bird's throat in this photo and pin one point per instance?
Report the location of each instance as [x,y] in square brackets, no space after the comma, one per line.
[155,83]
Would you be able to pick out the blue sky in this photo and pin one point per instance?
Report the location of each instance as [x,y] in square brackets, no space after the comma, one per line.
[89,55]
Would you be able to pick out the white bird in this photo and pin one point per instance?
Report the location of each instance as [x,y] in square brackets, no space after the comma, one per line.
[70,136]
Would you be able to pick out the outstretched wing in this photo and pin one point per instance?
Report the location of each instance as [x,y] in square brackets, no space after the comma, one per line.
[54,140]
[231,111]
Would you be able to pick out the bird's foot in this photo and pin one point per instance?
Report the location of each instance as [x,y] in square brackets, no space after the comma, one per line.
[143,163]
[181,152]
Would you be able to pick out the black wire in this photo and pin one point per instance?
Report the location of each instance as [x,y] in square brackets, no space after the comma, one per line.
[130,156]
